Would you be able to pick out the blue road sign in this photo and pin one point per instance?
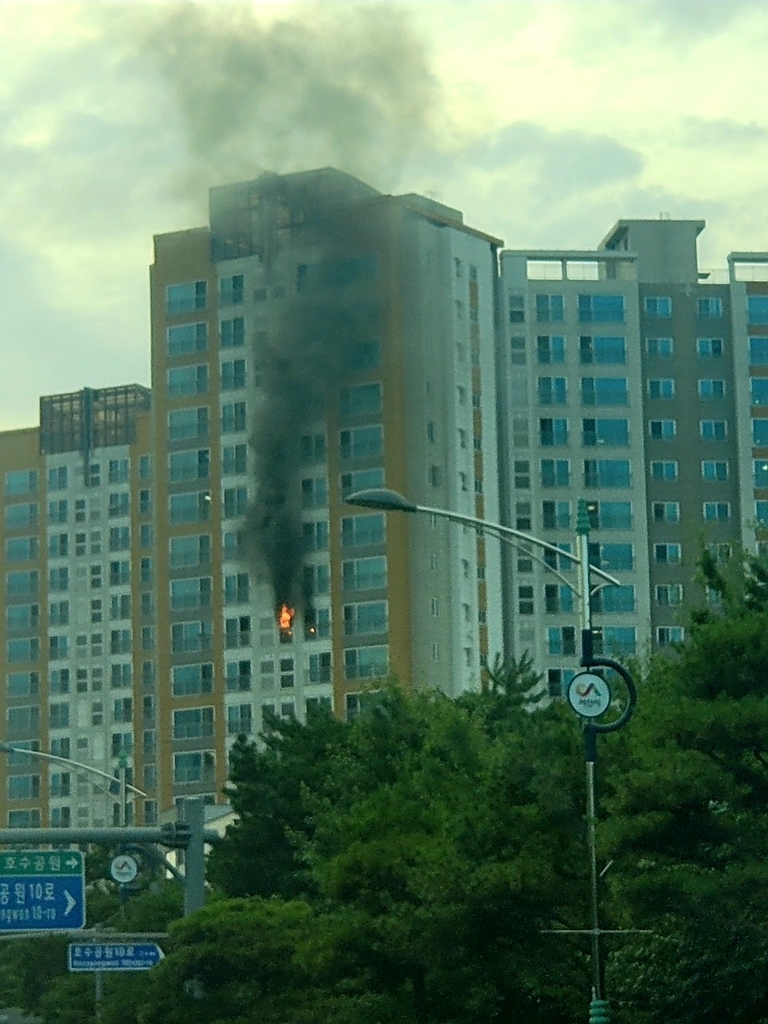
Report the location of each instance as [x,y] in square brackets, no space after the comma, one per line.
[113,956]
[42,890]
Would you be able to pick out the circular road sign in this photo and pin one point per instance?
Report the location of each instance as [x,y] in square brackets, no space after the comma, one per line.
[123,868]
[589,695]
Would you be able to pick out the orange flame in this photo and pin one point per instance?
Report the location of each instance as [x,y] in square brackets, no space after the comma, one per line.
[285,618]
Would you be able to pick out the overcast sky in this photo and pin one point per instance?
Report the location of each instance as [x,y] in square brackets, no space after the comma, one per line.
[543,120]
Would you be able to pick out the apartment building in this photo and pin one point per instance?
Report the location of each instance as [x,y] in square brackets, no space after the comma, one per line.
[632,380]
[77,656]
[315,339]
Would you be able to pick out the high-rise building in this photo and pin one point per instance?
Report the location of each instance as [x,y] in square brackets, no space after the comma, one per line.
[633,381]
[175,562]
[77,651]
[315,339]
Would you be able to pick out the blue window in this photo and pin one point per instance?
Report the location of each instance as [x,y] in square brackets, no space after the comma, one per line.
[709,348]
[616,599]
[662,430]
[661,347]
[601,309]
[658,305]
[556,472]
[556,515]
[232,374]
[550,348]
[187,380]
[21,549]
[557,598]
[366,662]
[760,433]
[760,472]
[553,431]
[709,306]
[761,512]
[619,640]
[605,431]
[231,290]
[602,349]
[361,442]
[716,511]
[363,531]
[758,350]
[604,391]
[663,387]
[713,430]
[187,338]
[550,308]
[665,470]
[233,332]
[610,515]
[757,309]
[360,480]
[758,387]
[361,400]
[553,391]
[709,388]
[714,470]
[21,515]
[191,422]
[615,557]
[365,617]
[561,640]
[184,298]
[20,481]
[364,573]
[607,473]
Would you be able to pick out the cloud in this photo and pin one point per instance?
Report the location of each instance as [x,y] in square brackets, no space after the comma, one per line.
[689,20]
[562,162]
[116,118]
[699,131]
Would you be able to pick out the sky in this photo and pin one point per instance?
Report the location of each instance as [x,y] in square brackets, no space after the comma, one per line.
[544,121]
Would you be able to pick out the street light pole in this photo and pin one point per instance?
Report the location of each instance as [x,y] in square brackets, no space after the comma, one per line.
[588,693]
[78,767]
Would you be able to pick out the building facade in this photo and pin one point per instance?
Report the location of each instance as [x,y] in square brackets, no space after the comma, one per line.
[78,635]
[632,381]
[315,339]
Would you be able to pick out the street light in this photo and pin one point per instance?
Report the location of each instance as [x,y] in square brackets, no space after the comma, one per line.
[79,768]
[386,500]
[588,693]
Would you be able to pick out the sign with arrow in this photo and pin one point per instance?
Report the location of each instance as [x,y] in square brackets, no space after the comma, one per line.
[113,956]
[42,890]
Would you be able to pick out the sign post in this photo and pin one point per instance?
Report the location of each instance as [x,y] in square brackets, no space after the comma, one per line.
[42,890]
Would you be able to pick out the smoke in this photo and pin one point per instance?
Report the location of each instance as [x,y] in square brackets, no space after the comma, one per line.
[346,85]
[341,84]
[315,339]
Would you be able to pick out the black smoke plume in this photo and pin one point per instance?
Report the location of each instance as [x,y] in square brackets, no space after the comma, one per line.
[312,345]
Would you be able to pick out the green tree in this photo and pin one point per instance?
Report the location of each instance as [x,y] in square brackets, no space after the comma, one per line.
[433,842]
[686,818]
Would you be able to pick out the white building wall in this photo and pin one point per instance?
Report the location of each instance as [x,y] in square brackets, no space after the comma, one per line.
[542,389]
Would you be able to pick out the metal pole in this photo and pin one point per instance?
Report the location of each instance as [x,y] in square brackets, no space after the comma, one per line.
[590,737]
[194,856]
[98,981]
[585,607]
[122,763]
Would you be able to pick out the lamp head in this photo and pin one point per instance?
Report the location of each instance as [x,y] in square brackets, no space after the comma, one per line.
[381,498]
